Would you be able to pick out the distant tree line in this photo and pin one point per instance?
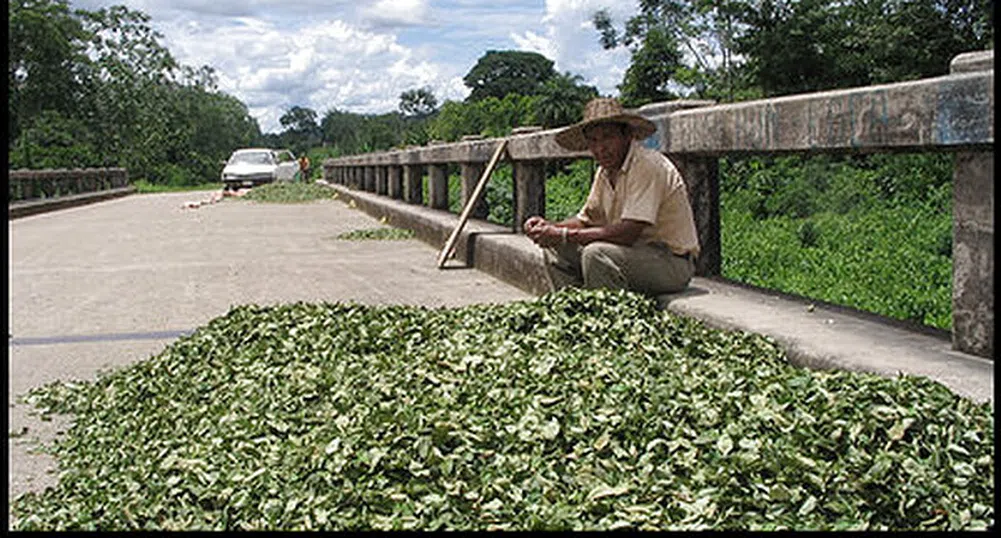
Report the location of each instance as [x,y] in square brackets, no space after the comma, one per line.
[508,89]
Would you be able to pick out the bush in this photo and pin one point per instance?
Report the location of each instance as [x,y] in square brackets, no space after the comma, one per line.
[809,234]
[566,191]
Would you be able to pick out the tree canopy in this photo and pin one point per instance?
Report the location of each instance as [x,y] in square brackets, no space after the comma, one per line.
[734,49]
[418,103]
[499,73]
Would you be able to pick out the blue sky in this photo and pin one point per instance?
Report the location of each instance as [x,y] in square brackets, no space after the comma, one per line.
[360,55]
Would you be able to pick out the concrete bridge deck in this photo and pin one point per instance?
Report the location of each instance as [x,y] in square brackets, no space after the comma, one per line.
[105,285]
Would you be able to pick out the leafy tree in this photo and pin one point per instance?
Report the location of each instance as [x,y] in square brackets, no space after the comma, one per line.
[736,49]
[127,87]
[51,140]
[340,129]
[499,73]
[454,120]
[654,63]
[299,119]
[788,45]
[503,115]
[899,40]
[660,38]
[561,100]
[301,131]
[381,132]
[418,103]
[347,133]
[811,45]
[45,61]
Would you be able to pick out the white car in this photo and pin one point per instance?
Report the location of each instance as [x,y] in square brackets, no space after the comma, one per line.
[256,166]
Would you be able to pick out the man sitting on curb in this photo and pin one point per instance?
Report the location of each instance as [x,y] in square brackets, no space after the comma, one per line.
[636,229]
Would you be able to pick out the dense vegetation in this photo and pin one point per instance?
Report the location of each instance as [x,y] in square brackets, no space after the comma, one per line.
[578,410]
[873,233]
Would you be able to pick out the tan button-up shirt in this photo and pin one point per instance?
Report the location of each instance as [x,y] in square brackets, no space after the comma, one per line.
[648,189]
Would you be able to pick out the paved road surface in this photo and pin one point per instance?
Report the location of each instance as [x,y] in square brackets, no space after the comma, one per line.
[105,285]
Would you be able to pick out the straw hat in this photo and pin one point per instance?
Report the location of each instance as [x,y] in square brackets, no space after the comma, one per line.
[603,110]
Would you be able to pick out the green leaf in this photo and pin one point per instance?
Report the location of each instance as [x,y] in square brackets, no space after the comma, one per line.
[896,433]
[724,444]
[603,490]
[808,505]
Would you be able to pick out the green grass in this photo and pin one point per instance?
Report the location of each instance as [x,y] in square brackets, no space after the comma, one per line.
[876,236]
[579,410]
[886,260]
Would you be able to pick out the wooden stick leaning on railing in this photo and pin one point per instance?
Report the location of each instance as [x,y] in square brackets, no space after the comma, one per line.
[449,248]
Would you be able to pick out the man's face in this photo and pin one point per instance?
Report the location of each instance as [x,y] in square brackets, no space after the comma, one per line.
[608,143]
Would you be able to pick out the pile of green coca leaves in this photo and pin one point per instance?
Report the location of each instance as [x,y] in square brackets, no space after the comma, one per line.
[576,410]
[377,234]
[287,192]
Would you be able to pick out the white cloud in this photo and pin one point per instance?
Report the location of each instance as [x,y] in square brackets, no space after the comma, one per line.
[325,65]
[397,13]
[572,42]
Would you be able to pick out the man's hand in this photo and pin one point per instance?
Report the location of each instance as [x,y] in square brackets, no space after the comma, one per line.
[542,232]
[532,223]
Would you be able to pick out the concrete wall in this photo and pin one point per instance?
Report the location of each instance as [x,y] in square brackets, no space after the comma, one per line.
[949,113]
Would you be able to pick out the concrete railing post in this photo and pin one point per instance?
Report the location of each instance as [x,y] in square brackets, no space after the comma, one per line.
[701,175]
[529,191]
[438,186]
[370,179]
[413,176]
[471,173]
[973,237]
[395,182]
[380,180]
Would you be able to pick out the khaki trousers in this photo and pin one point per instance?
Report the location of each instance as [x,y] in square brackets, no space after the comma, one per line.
[646,268]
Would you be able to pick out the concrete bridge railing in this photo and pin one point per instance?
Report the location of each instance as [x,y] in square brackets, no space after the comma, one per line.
[949,113]
[36,191]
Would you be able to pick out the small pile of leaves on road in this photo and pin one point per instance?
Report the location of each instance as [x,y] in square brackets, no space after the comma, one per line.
[578,410]
[379,234]
[289,192]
